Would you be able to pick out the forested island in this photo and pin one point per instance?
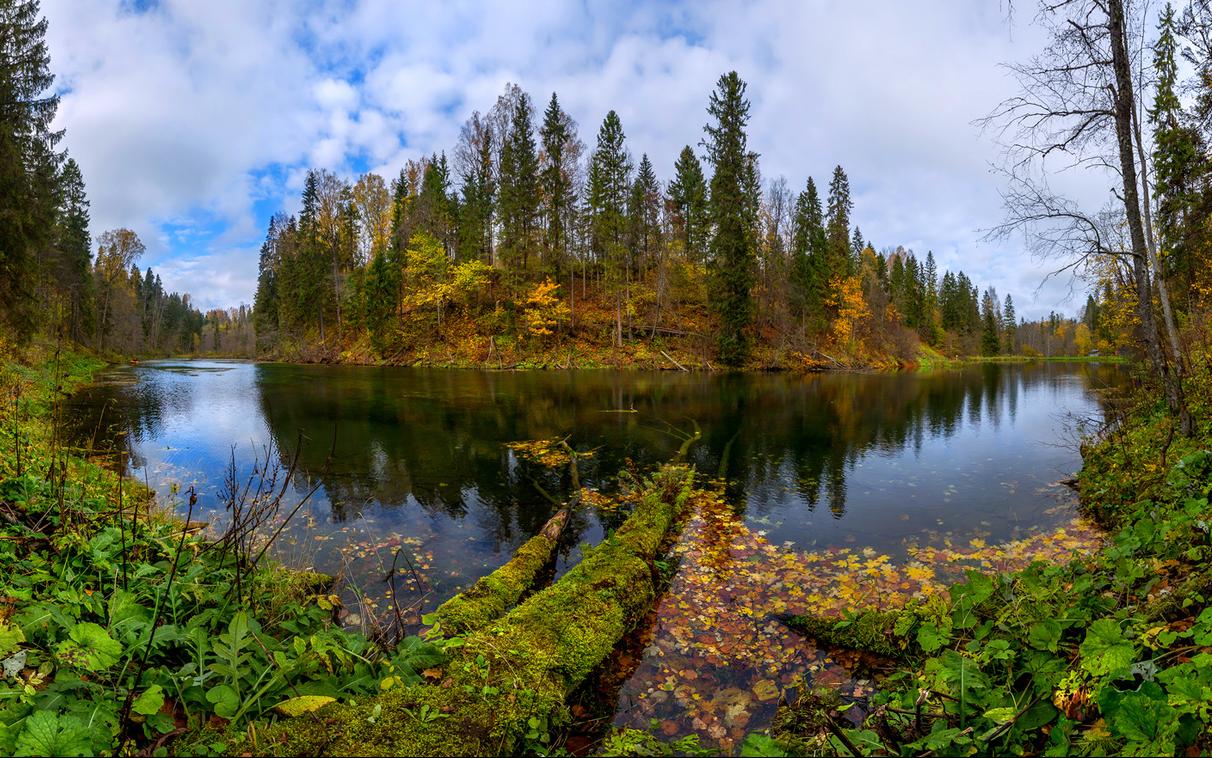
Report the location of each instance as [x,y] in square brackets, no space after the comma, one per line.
[210,544]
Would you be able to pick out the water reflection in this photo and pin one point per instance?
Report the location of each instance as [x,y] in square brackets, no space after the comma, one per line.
[815,460]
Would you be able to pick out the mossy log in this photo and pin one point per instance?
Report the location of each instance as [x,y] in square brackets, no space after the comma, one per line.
[493,595]
[869,632]
[519,667]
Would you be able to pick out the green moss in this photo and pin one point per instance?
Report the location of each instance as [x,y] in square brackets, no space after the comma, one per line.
[493,595]
[519,667]
[871,632]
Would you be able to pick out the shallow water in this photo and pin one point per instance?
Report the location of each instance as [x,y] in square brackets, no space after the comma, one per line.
[418,457]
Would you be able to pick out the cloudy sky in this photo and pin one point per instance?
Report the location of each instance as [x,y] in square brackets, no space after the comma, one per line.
[194,121]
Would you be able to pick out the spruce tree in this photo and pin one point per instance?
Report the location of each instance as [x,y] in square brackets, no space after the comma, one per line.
[688,193]
[29,165]
[839,262]
[732,250]
[74,272]
[1179,159]
[557,135]
[644,216]
[807,259]
[519,183]
[1010,327]
[607,195]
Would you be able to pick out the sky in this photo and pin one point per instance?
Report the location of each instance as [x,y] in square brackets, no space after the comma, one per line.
[193,122]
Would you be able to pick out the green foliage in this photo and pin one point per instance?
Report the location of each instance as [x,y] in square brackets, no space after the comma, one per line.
[1105,654]
[87,588]
[733,258]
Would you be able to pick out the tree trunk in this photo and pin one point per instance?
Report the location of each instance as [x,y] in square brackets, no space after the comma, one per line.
[1177,400]
[1124,108]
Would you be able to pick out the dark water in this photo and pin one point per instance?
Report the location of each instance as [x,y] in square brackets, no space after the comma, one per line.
[418,457]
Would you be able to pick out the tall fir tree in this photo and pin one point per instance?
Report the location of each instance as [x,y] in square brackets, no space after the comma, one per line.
[733,256]
[556,136]
[688,193]
[839,261]
[807,255]
[518,201]
[29,164]
[74,251]
[607,194]
[1180,166]
[643,216]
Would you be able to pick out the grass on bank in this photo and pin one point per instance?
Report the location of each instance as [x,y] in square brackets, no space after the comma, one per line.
[120,631]
[1109,654]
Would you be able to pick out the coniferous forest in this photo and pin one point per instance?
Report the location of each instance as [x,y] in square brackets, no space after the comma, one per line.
[870,508]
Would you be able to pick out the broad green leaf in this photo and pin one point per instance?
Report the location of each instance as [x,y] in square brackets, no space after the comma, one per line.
[89,647]
[224,699]
[931,638]
[761,746]
[1044,635]
[1105,652]
[1000,715]
[296,706]
[10,638]
[150,701]
[48,733]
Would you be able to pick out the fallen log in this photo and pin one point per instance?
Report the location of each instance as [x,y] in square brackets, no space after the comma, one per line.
[514,672]
[493,595]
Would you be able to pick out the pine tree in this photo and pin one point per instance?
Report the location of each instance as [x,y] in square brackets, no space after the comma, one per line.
[519,183]
[29,165]
[558,137]
[1009,326]
[732,245]
[839,262]
[990,339]
[688,193]
[644,216]
[608,190]
[1179,161]
[807,259]
[73,274]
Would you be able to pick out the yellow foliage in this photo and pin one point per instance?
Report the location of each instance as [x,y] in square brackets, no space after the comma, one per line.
[846,300]
[1081,339]
[544,310]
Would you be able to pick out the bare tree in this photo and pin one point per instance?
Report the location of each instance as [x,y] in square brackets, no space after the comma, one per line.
[1078,104]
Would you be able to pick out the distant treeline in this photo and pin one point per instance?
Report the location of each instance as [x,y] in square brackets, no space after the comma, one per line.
[49,279]
[527,242]
[529,236]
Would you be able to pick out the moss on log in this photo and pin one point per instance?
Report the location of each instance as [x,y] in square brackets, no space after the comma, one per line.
[519,667]
[493,595]
[870,632]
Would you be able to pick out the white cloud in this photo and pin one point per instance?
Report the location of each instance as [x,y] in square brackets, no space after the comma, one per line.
[201,110]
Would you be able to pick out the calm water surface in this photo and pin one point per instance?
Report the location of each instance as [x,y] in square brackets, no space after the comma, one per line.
[417,458]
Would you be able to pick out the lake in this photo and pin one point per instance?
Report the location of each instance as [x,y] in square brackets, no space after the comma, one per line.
[418,460]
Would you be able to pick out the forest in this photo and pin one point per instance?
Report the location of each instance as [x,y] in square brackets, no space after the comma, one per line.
[820,560]
[526,247]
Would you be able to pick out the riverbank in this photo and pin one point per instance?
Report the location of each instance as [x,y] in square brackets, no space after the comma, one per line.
[125,628]
[1110,653]
[122,628]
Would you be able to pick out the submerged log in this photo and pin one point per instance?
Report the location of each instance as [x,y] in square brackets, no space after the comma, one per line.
[493,595]
[868,632]
[515,671]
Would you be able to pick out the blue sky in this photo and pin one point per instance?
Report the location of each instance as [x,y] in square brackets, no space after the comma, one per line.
[194,122]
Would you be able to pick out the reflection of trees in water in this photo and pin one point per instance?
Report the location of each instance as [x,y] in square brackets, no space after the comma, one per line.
[99,413]
[437,437]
